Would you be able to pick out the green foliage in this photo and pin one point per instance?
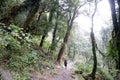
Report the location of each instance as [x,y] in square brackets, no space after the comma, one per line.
[19,62]
[20,18]
[15,46]
[112,53]
[12,37]
[20,76]
[112,50]
[5,5]
[86,69]
[18,53]
[46,44]
[105,74]
[83,67]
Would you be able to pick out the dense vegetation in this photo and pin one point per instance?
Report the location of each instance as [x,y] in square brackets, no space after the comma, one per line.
[36,34]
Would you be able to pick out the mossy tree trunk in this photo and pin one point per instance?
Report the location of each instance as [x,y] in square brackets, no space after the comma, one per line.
[116,28]
[93,45]
[66,38]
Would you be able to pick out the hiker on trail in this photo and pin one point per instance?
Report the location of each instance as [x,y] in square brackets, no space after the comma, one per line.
[65,63]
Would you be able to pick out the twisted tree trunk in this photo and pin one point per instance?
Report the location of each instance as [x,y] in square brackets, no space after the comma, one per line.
[66,38]
[93,45]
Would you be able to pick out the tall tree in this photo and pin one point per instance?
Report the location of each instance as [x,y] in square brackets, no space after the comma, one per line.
[93,44]
[116,28]
[72,16]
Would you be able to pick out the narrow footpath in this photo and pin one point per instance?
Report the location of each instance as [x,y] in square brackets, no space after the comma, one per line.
[60,74]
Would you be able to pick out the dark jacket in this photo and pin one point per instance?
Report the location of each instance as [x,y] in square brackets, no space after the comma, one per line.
[65,63]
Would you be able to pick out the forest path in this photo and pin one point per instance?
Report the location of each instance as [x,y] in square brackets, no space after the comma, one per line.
[60,74]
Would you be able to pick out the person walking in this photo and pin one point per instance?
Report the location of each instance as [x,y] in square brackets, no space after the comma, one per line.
[65,63]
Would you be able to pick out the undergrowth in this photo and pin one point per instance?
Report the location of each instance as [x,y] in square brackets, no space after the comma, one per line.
[18,54]
[85,69]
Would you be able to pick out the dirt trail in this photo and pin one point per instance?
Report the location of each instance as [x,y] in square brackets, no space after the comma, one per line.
[61,74]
